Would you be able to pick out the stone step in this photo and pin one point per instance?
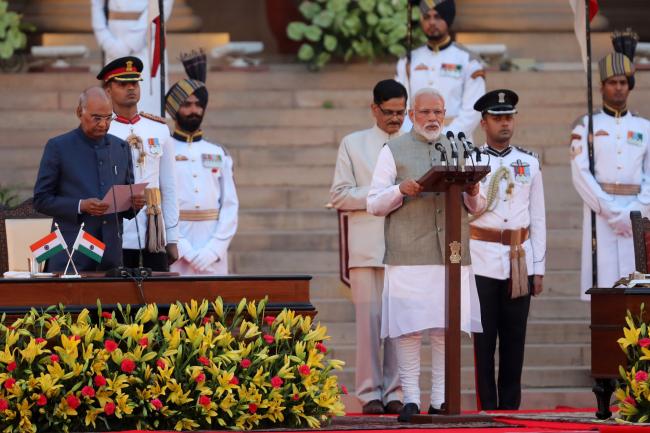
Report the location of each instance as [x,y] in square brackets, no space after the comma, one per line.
[292,219]
[535,354]
[272,136]
[538,331]
[285,175]
[283,197]
[563,259]
[283,262]
[532,377]
[251,157]
[562,283]
[531,398]
[313,240]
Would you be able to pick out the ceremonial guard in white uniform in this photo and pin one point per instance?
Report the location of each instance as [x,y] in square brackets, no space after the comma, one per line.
[207,197]
[455,72]
[376,377]
[621,182]
[414,284]
[508,248]
[121,28]
[153,162]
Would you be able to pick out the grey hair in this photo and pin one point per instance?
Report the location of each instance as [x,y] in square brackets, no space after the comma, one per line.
[425,91]
[92,92]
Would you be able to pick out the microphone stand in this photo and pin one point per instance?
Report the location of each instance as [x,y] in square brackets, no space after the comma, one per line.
[454,149]
[443,154]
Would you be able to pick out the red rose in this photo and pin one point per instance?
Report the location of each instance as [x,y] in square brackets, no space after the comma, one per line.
[107,315]
[203,360]
[54,358]
[109,408]
[200,378]
[252,408]
[304,370]
[161,363]
[127,366]
[321,347]
[76,337]
[88,391]
[641,376]
[99,380]
[245,363]
[110,345]
[205,401]
[144,342]
[73,401]
[163,318]
[11,366]
[9,383]
[344,389]
[630,400]
[234,381]
[157,404]
[40,340]
[269,338]
[644,342]
[4,405]
[42,400]
[276,382]
[269,320]
[206,320]
[295,397]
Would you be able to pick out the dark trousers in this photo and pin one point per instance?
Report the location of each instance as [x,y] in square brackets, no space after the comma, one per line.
[506,319]
[155,261]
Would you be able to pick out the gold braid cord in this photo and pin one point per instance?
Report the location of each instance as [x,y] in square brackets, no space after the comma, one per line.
[155,239]
[136,142]
[493,190]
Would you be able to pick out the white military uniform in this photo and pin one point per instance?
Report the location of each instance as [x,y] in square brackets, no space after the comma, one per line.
[157,170]
[355,164]
[453,71]
[522,207]
[621,184]
[123,34]
[208,202]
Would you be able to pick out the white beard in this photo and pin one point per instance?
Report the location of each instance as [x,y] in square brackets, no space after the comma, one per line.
[430,136]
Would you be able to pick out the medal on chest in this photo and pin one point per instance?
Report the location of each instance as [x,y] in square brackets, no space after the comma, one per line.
[634,138]
[154,146]
[521,170]
[212,161]
[451,70]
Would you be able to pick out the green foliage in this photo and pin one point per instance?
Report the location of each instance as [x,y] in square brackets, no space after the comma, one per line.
[8,196]
[12,32]
[347,29]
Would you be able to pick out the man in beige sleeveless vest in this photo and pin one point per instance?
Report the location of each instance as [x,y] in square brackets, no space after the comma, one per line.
[376,382]
[414,292]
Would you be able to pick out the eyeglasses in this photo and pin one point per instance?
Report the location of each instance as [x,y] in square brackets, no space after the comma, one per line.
[391,113]
[427,113]
[97,119]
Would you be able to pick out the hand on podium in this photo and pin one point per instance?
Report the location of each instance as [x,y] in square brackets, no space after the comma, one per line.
[472,189]
[410,188]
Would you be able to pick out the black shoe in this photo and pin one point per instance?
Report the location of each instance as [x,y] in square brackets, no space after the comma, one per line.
[373,407]
[393,407]
[407,412]
[433,411]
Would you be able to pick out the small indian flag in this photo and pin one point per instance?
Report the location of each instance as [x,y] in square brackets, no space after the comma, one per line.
[89,245]
[48,246]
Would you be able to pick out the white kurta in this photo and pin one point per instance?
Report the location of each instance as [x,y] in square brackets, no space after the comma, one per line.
[355,164]
[523,207]
[621,156]
[120,38]
[157,170]
[414,296]
[453,71]
[204,174]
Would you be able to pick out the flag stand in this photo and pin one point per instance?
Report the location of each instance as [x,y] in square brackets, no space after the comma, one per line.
[70,261]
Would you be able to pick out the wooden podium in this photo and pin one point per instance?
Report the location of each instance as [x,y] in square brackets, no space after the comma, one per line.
[452,181]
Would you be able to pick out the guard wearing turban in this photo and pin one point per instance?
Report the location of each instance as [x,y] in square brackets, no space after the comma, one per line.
[449,68]
[204,172]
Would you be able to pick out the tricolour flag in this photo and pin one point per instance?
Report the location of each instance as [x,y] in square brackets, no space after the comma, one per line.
[89,245]
[154,23]
[48,246]
[580,23]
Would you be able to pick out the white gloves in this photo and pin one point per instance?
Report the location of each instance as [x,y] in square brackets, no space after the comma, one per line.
[204,259]
[621,224]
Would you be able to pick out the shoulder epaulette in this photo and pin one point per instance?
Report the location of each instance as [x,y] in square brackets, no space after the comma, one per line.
[528,152]
[225,150]
[579,121]
[154,117]
[472,54]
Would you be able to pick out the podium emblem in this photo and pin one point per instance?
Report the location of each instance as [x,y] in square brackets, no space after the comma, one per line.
[455,248]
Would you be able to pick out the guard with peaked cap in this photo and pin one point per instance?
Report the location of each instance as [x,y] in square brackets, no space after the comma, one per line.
[154,230]
[204,171]
[450,68]
[622,166]
[508,249]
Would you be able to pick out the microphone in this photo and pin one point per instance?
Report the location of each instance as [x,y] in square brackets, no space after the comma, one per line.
[443,153]
[454,148]
[466,145]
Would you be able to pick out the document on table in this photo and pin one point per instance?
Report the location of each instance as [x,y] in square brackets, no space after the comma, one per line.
[121,201]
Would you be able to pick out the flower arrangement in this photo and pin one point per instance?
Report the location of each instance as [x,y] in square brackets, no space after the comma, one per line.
[200,366]
[633,393]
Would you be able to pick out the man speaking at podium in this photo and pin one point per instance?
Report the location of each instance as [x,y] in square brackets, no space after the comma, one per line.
[77,169]
[414,283]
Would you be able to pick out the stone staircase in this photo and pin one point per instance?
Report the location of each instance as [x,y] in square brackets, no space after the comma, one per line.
[283,127]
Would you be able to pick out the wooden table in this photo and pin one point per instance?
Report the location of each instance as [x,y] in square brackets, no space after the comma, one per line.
[283,291]
[608,310]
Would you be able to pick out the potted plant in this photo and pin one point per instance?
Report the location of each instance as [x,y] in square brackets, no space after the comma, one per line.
[12,39]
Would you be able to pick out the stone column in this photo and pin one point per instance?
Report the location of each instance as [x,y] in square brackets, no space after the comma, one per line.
[73,16]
